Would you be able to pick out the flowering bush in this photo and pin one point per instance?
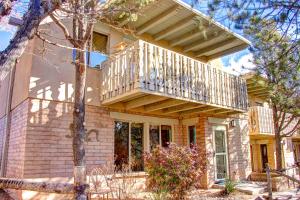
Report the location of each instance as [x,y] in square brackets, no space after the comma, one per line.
[174,170]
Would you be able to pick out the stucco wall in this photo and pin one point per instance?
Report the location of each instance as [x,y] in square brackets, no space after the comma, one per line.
[4,85]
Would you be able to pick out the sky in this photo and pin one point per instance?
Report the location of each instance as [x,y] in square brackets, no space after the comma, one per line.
[234,63]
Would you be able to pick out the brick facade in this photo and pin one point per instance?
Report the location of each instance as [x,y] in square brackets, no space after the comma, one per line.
[239,150]
[40,144]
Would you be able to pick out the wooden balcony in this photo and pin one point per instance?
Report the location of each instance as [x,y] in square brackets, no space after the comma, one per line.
[147,78]
[260,120]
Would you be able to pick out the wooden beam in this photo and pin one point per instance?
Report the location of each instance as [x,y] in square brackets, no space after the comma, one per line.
[257,89]
[158,19]
[214,47]
[173,28]
[143,101]
[186,37]
[225,111]
[181,108]
[211,38]
[199,110]
[227,52]
[164,104]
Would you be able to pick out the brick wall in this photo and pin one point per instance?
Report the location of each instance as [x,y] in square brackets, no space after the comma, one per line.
[17,138]
[48,143]
[204,141]
[239,150]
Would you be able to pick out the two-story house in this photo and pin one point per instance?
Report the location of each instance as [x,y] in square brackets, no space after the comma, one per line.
[261,131]
[148,89]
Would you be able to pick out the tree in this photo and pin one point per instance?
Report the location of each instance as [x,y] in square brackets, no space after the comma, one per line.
[273,28]
[281,70]
[284,14]
[83,14]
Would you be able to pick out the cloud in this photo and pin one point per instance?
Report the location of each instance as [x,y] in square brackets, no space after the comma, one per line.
[240,65]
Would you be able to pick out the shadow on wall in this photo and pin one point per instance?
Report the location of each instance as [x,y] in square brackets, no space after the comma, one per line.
[48,136]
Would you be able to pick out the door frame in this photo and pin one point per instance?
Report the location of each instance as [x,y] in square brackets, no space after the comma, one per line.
[220,128]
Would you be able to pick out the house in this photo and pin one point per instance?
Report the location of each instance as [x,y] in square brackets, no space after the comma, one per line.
[261,132]
[152,88]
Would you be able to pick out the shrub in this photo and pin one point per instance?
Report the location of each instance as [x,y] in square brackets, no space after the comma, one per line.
[229,186]
[174,170]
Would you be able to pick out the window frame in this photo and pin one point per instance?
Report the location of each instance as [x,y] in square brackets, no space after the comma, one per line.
[90,47]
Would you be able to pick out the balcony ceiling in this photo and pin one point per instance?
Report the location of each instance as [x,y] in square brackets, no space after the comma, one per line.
[256,86]
[164,106]
[175,25]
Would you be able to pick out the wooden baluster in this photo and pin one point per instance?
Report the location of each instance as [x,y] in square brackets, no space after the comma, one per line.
[184,77]
[173,73]
[169,67]
[139,68]
[177,85]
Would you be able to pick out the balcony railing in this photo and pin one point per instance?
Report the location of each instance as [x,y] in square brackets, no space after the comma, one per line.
[261,120]
[155,70]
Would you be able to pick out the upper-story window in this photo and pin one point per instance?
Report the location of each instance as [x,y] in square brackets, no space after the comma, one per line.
[97,50]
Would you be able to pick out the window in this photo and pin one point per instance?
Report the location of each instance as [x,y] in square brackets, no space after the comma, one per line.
[129,133]
[192,135]
[97,52]
[154,136]
[160,135]
[121,144]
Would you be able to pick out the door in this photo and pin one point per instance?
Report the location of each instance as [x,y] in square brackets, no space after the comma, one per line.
[264,156]
[220,148]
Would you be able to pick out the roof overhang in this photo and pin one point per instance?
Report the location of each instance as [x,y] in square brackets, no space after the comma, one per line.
[256,86]
[175,25]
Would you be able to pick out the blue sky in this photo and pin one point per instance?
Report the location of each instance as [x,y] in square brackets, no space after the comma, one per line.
[5,37]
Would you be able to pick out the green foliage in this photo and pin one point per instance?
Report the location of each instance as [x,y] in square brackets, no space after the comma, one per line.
[174,170]
[277,59]
[229,186]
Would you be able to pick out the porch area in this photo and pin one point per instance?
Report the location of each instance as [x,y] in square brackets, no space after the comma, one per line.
[146,78]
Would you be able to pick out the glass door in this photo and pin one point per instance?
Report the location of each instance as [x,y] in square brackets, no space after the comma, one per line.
[137,146]
[220,153]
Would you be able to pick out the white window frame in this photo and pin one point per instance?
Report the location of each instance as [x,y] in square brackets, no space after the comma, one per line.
[147,121]
[220,128]
[160,124]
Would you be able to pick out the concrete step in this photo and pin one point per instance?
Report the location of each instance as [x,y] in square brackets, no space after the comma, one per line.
[250,188]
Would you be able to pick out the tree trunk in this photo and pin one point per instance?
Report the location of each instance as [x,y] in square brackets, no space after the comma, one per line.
[277,139]
[79,129]
[18,44]
[278,151]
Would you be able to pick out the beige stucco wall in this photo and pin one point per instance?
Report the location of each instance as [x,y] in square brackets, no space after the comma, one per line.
[4,85]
